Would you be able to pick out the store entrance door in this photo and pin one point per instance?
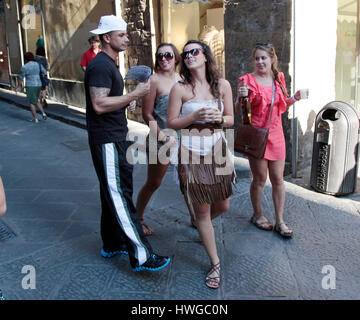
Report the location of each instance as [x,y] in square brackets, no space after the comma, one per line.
[4,64]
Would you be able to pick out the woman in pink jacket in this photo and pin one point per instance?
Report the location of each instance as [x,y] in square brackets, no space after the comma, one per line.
[258,86]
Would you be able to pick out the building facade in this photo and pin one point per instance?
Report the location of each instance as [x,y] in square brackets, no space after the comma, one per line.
[317,42]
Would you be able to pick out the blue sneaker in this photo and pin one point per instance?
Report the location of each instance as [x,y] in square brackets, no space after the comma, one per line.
[154,263]
[112,253]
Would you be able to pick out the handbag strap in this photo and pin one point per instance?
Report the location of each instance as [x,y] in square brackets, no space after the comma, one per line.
[272,102]
[39,68]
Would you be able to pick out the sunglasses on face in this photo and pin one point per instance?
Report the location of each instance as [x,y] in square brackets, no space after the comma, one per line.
[167,55]
[266,45]
[194,52]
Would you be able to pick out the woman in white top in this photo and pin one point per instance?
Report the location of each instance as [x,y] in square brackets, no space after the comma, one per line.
[202,103]
[154,108]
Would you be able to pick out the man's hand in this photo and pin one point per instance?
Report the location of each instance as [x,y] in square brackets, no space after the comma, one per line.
[143,88]
[132,106]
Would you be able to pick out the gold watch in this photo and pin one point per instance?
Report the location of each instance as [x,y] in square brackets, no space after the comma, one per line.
[223,120]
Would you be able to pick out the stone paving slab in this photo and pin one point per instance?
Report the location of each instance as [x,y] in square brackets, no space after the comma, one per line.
[5,232]
[51,183]
[307,272]
[73,196]
[190,286]
[250,275]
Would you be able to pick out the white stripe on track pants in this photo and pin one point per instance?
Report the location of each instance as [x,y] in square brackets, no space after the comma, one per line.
[120,224]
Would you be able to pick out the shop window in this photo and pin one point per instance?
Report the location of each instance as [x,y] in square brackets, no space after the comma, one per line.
[4,65]
[32,24]
[347,52]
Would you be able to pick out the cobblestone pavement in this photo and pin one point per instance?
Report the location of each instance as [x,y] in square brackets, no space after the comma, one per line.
[52,227]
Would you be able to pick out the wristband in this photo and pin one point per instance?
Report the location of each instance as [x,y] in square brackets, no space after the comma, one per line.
[295,98]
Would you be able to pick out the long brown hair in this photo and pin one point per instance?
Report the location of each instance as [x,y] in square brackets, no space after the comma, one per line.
[174,49]
[212,72]
[270,50]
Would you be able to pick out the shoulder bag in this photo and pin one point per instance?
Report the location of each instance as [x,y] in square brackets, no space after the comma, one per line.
[251,140]
[44,79]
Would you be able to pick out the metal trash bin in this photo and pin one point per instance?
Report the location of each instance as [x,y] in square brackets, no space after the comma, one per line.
[335,149]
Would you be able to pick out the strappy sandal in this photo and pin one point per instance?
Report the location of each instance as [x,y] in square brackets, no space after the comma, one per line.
[213,281]
[288,233]
[261,224]
[146,229]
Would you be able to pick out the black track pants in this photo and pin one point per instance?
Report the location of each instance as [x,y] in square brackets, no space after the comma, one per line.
[120,224]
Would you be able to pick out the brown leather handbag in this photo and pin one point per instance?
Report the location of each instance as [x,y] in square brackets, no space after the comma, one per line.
[251,140]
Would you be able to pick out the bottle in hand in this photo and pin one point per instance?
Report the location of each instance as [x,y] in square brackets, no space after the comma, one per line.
[245,107]
[246,110]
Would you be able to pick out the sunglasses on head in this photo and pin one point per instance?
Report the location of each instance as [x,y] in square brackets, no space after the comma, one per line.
[265,45]
[194,52]
[167,55]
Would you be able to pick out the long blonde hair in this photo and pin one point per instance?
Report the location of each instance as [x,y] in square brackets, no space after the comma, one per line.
[270,50]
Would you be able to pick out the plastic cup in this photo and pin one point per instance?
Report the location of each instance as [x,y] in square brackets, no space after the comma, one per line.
[304,93]
[209,113]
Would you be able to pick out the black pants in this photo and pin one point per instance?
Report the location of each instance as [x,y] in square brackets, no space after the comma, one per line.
[120,224]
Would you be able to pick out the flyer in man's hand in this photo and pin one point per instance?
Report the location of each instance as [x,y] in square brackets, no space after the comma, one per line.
[141,73]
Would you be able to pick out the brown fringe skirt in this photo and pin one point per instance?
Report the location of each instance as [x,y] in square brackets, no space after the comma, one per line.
[201,182]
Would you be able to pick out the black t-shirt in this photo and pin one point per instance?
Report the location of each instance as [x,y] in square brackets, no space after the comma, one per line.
[112,126]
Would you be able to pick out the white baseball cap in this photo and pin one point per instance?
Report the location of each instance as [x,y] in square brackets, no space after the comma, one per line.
[110,23]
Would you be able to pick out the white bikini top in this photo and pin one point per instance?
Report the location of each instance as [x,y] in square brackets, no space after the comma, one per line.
[191,106]
[201,144]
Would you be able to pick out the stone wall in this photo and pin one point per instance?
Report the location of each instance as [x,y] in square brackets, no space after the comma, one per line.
[12,33]
[248,22]
[67,29]
[68,92]
[137,14]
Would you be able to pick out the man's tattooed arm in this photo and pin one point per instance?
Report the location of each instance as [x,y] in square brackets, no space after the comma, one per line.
[97,95]
[96,92]
[102,103]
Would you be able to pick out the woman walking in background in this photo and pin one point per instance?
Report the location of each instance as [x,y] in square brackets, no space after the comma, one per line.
[40,57]
[30,71]
[259,86]
[202,100]
[154,108]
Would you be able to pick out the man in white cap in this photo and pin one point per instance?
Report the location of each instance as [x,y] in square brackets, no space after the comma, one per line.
[121,231]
